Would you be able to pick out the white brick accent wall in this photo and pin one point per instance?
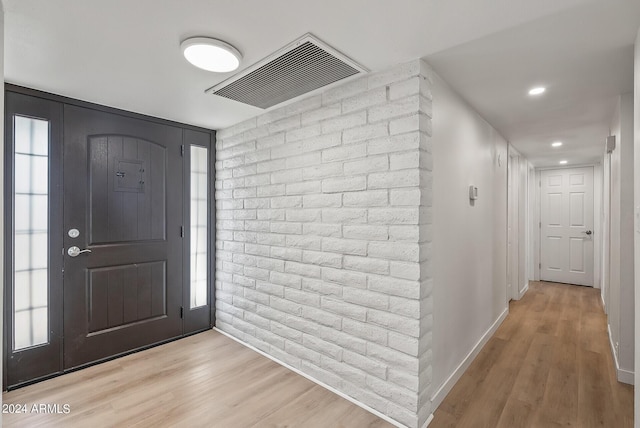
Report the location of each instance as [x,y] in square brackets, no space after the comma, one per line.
[322,250]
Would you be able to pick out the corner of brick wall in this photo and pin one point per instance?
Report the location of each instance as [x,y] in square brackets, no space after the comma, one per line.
[426,225]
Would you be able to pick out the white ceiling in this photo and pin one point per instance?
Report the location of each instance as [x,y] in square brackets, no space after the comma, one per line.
[125,54]
[583,55]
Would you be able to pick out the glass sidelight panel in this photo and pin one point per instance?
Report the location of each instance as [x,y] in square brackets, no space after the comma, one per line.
[199,225]
[30,232]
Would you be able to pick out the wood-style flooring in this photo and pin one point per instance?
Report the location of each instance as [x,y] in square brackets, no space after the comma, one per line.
[205,380]
[548,365]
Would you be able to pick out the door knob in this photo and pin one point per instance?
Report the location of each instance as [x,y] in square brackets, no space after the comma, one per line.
[75,251]
[588,232]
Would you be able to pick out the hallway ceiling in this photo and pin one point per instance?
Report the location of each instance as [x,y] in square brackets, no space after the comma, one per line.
[126,54]
[584,57]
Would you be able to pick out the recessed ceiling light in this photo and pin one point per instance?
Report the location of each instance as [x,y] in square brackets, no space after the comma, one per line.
[563,162]
[537,91]
[556,144]
[211,54]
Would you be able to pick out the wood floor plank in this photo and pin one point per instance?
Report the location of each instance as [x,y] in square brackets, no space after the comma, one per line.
[305,410]
[516,413]
[464,391]
[497,386]
[595,412]
[548,365]
[532,379]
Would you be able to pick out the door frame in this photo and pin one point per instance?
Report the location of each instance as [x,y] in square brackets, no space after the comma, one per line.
[597,226]
[519,216]
[8,181]
[513,229]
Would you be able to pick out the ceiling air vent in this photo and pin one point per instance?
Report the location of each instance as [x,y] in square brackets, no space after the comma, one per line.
[299,68]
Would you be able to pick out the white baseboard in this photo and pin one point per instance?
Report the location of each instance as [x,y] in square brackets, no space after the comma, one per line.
[523,291]
[428,421]
[322,384]
[624,376]
[446,387]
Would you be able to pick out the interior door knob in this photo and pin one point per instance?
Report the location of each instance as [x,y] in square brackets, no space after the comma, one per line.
[75,251]
[588,232]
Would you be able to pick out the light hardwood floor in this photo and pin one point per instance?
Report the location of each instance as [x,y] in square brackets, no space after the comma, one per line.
[548,365]
[206,380]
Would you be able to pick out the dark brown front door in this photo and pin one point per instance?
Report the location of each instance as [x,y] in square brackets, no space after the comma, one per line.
[123,196]
[108,223]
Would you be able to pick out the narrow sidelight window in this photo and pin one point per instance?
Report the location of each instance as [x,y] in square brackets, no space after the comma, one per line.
[30,232]
[199,225]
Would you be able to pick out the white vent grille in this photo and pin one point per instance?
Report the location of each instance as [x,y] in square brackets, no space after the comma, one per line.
[301,67]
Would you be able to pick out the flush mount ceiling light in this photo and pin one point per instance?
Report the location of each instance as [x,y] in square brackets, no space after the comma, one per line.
[537,91]
[556,144]
[211,54]
[563,162]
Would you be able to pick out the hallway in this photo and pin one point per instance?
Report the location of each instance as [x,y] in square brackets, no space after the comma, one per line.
[549,364]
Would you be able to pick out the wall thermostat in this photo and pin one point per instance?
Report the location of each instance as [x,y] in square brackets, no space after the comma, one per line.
[473,193]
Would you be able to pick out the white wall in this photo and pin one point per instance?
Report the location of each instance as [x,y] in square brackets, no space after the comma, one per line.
[323,253]
[613,312]
[636,153]
[469,240]
[620,293]
[332,258]
[627,310]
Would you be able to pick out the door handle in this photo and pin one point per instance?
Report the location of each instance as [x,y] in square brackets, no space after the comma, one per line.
[75,251]
[588,232]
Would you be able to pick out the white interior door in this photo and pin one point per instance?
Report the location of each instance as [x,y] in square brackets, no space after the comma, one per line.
[566,226]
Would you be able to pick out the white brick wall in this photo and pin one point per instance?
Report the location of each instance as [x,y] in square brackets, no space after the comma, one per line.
[322,259]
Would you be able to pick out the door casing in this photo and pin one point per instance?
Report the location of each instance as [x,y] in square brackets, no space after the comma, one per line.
[595,237]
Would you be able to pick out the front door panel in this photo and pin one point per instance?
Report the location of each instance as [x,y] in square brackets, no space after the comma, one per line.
[128,189]
[124,195]
[33,264]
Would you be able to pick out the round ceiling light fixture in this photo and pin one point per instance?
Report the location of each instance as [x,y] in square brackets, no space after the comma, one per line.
[563,162]
[537,91]
[211,54]
[556,144]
